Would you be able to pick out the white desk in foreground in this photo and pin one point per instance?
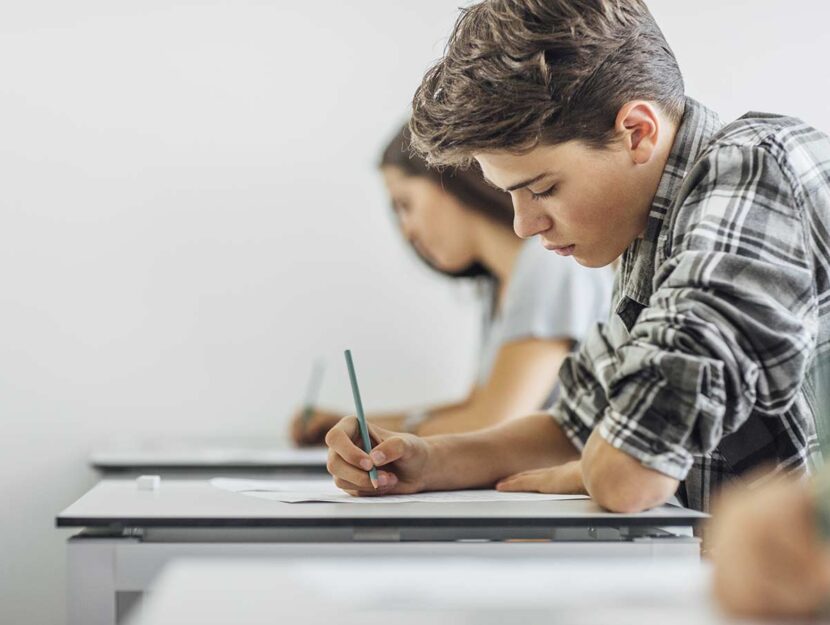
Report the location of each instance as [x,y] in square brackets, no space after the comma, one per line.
[446,591]
[128,535]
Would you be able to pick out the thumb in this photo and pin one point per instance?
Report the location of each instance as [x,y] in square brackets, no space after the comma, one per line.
[394,448]
[377,434]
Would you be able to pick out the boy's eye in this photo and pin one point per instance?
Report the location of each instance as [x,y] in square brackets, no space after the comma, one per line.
[543,194]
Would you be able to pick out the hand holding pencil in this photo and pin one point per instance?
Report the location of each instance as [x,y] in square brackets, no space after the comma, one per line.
[368,460]
[309,429]
[310,424]
[400,460]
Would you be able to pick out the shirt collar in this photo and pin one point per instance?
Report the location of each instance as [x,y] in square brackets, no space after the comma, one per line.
[697,127]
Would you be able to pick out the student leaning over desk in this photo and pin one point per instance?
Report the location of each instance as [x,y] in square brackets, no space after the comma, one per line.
[577,108]
[536,306]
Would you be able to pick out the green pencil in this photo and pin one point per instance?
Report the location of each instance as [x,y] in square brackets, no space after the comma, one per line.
[312,390]
[361,418]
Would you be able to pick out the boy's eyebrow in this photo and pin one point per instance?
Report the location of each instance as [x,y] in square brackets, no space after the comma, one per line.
[519,185]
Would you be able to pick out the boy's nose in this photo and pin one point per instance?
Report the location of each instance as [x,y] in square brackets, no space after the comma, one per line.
[529,221]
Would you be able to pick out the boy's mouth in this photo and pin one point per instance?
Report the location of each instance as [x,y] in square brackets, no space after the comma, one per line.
[562,250]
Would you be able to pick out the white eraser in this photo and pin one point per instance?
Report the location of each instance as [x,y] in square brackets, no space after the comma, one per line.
[148,482]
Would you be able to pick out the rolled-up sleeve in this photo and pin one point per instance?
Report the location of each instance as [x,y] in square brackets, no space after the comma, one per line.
[731,322]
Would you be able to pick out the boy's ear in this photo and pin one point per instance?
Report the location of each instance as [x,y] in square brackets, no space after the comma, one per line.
[638,123]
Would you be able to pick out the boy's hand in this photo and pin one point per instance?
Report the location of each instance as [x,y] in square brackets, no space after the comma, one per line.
[565,479]
[311,432]
[401,460]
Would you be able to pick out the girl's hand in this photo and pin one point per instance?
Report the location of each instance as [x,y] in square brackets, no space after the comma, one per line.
[311,432]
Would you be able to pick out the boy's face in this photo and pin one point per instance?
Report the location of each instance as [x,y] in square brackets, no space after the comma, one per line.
[582,202]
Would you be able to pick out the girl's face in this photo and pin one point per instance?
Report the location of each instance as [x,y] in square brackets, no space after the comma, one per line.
[432,220]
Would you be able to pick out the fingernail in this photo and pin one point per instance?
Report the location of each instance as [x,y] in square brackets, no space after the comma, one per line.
[382,479]
[366,464]
[378,457]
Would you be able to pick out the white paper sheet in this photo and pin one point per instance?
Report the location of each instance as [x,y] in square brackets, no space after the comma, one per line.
[314,490]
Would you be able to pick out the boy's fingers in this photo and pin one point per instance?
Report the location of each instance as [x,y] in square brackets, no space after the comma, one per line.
[528,481]
[340,439]
[340,469]
[349,426]
[386,480]
[359,490]
[376,433]
[390,450]
[348,486]
[512,484]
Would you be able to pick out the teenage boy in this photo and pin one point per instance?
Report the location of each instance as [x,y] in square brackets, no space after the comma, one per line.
[703,371]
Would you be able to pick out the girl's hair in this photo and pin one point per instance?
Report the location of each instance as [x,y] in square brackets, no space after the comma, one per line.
[467,185]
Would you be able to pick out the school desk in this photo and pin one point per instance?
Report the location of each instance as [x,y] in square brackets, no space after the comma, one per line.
[126,535]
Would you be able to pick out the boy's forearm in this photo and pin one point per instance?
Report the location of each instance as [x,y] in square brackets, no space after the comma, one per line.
[479,459]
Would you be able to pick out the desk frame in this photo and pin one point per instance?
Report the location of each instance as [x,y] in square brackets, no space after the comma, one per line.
[127,536]
[107,573]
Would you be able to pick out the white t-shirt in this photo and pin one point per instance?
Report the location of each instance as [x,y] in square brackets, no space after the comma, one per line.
[548,297]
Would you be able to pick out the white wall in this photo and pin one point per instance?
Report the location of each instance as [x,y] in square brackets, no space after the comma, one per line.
[189,214]
[752,55]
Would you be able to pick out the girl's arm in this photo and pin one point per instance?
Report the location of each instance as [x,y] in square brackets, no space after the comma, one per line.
[524,374]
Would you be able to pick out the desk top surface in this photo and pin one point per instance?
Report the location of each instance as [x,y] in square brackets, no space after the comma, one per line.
[247,592]
[195,503]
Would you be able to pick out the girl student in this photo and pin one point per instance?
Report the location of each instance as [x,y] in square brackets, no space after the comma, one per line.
[537,306]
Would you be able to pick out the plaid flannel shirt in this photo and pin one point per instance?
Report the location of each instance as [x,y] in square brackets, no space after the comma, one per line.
[703,370]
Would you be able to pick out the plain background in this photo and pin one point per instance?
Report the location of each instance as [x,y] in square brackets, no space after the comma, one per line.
[190,214]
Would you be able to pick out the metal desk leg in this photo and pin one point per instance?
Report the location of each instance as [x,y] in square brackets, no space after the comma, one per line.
[91,593]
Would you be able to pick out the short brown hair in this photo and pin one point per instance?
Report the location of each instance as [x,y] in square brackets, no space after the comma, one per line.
[519,73]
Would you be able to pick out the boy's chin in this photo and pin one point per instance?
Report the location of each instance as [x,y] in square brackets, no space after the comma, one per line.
[592,262]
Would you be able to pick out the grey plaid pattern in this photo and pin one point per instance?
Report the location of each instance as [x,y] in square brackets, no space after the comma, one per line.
[705,369]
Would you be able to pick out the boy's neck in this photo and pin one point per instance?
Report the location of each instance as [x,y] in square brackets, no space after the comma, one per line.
[661,159]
